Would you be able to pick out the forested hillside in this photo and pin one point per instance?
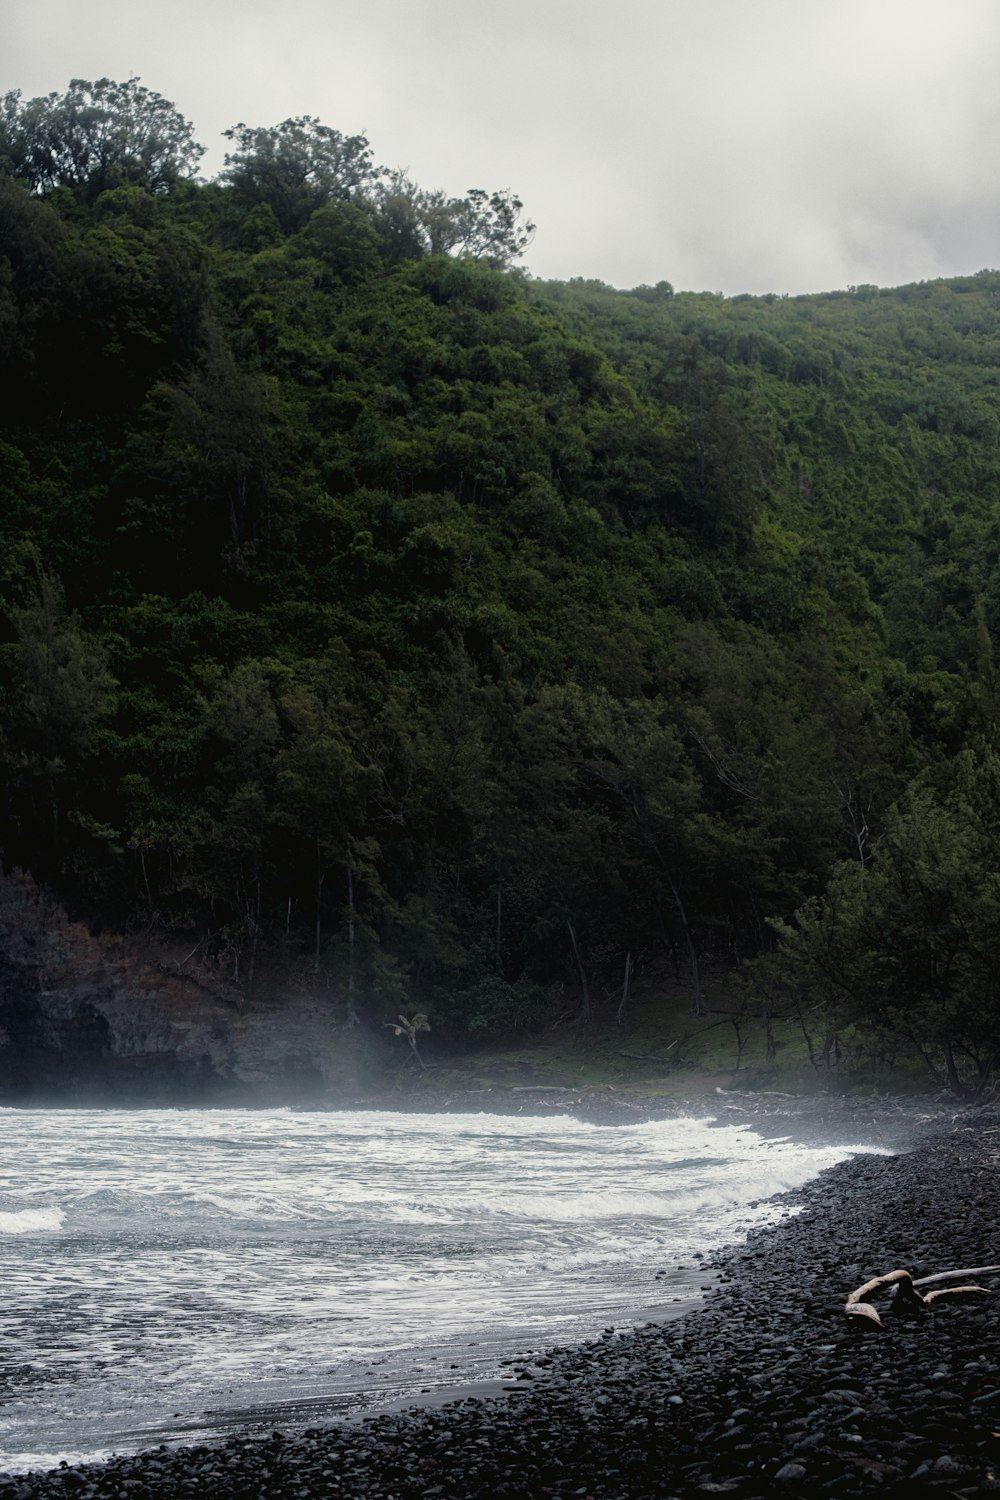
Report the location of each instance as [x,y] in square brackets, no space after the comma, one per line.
[371,607]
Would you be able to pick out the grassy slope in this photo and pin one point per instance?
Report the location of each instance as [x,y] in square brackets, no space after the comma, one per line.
[660,1051]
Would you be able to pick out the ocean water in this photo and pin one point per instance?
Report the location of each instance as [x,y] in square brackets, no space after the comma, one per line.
[170,1275]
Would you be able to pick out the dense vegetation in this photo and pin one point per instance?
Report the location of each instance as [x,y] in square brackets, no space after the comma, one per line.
[370,606]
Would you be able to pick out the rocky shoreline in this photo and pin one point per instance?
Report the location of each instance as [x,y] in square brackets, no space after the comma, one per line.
[767,1389]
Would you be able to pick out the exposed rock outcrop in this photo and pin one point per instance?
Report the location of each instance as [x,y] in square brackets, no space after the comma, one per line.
[97,1020]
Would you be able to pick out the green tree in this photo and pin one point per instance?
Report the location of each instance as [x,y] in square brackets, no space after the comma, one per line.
[297,167]
[64,693]
[485,226]
[489,227]
[217,457]
[323,789]
[97,136]
[907,947]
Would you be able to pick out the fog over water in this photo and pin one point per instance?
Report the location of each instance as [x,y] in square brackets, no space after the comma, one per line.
[169,1273]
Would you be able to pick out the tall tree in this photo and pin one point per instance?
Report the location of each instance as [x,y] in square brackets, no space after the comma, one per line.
[907,947]
[97,136]
[65,692]
[297,167]
[486,226]
[490,227]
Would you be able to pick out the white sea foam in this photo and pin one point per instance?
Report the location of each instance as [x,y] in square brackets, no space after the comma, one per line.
[31,1221]
[219,1258]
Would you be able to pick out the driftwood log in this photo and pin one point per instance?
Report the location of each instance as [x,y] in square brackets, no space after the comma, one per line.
[905,1296]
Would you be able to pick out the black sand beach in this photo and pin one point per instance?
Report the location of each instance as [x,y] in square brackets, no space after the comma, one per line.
[766,1389]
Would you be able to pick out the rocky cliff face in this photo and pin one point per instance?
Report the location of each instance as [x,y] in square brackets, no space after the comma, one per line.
[102,1021]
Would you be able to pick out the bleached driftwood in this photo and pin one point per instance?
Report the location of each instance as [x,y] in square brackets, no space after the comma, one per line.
[950,1275]
[944,1292]
[903,1290]
[901,1282]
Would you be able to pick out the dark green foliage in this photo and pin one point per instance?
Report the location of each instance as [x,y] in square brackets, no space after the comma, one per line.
[374,609]
[484,226]
[296,167]
[97,136]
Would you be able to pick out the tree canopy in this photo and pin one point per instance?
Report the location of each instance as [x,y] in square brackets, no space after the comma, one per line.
[97,136]
[297,166]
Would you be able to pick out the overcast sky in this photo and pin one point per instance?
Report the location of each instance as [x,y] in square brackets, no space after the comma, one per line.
[722,145]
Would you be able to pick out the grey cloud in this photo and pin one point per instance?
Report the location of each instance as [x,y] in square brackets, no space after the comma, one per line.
[722,144]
